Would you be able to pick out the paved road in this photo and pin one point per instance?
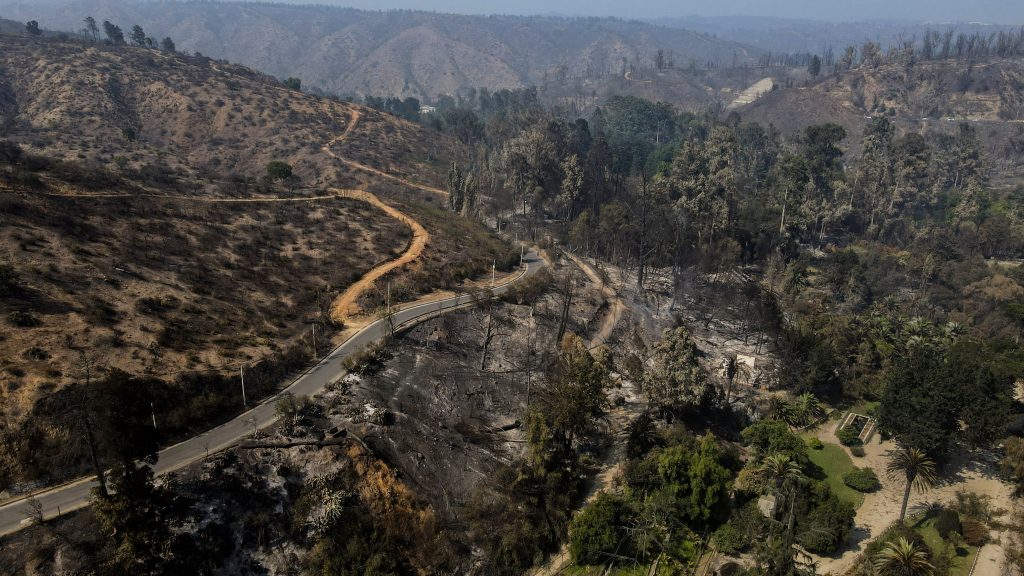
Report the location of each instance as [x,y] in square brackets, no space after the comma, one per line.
[62,499]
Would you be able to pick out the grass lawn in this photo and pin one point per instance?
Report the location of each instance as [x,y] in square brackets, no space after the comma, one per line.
[964,558]
[864,407]
[832,462]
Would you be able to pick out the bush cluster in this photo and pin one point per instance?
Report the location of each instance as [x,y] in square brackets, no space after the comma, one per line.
[848,437]
[947,523]
[862,480]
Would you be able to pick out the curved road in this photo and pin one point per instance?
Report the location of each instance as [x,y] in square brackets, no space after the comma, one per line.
[15,515]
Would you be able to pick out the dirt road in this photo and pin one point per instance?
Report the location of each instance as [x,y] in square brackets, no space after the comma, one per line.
[346,304]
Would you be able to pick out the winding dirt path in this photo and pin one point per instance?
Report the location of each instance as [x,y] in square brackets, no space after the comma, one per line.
[881,508]
[617,421]
[346,304]
[356,116]
[615,304]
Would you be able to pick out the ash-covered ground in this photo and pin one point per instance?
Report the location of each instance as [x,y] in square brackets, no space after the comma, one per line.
[443,412]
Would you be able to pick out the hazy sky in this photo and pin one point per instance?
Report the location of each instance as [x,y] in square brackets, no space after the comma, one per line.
[993,11]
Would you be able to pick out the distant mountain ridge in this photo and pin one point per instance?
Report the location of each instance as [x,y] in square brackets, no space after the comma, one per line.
[405,53]
[790,35]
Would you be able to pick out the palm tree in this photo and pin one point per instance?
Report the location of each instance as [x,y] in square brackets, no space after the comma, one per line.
[808,409]
[903,558]
[782,475]
[780,409]
[916,468]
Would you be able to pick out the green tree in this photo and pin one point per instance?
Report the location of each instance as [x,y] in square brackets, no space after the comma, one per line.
[903,558]
[455,187]
[32,27]
[1012,462]
[167,45]
[91,29]
[138,36]
[571,192]
[913,466]
[293,83]
[278,170]
[828,522]
[138,516]
[770,437]
[936,388]
[807,409]
[820,146]
[569,400]
[709,482]
[675,380]
[814,66]
[790,178]
[114,34]
[600,532]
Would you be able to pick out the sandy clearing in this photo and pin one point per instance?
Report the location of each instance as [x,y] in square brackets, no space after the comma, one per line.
[968,471]
[752,93]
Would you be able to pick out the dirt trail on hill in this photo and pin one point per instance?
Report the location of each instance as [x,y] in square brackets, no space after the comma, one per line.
[617,420]
[753,93]
[615,304]
[346,305]
[356,115]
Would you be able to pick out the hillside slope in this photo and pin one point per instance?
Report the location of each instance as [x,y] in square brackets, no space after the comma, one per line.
[927,96]
[138,229]
[405,53]
[90,102]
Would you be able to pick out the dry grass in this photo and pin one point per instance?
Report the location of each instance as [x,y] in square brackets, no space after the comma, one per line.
[160,287]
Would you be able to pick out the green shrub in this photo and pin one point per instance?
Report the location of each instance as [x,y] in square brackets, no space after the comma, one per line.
[857,451]
[730,540]
[769,437]
[278,170]
[862,480]
[815,444]
[829,523]
[599,530]
[10,284]
[947,523]
[848,437]
[896,531]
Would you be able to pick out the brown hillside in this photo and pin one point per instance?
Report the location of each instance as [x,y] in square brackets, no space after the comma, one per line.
[89,102]
[185,260]
[927,96]
[405,53]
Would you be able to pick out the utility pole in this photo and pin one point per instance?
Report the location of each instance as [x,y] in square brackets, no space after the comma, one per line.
[241,375]
[314,340]
[522,255]
[494,265]
[152,412]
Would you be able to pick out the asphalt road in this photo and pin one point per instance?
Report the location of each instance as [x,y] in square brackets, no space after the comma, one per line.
[72,496]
